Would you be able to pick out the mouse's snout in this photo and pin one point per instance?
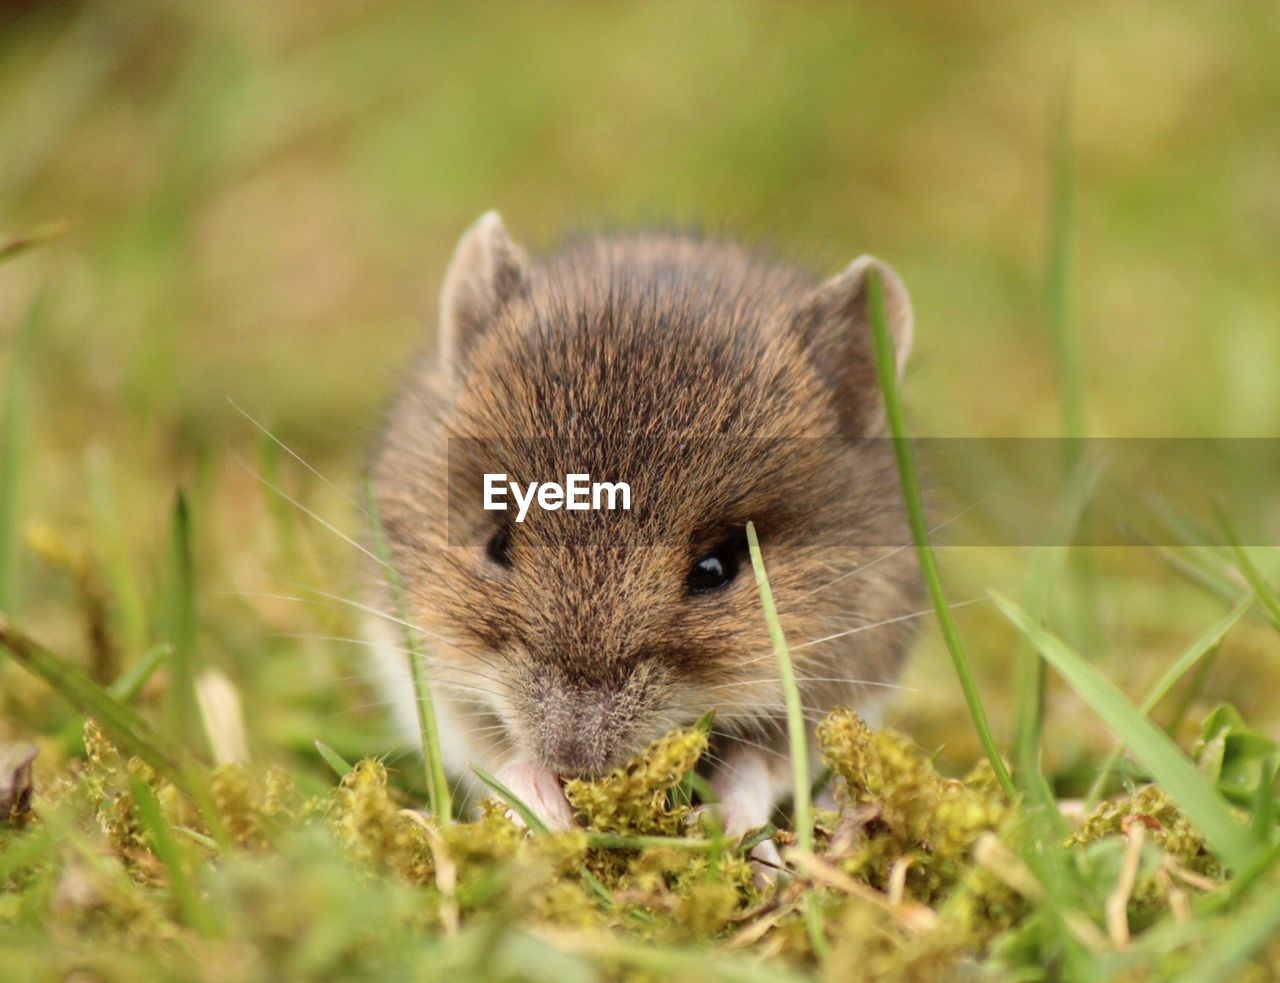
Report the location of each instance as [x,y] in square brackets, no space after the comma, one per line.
[580,725]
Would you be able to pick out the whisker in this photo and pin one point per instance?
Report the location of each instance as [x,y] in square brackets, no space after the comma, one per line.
[812,679]
[887,621]
[377,613]
[897,549]
[314,515]
[298,457]
[436,662]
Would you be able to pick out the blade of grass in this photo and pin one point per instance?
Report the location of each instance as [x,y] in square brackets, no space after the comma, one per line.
[1246,933]
[132,734]
[533,822]
[184,716]
[127,687]
[1245,880]
[531,818]
[174,856]
[333,759]
[886,371]
[1066,346]
[1194,573]
[432,761]
[15,246]
[1030,682]
[127,730]
[281,515]
[797,733]
[1179,668]
[12,458]
[1266,594]
[1264,803]
[1155,750]
[122,574]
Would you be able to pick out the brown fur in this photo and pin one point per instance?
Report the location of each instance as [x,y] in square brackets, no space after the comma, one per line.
[720,386]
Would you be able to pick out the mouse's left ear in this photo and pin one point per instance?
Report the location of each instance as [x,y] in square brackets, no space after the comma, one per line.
[488,271]
[835,322]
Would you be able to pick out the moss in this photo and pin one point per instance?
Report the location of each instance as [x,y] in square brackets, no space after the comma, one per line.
[374,830]
[634,798]
[1164,823]
[352,882]
[907,814]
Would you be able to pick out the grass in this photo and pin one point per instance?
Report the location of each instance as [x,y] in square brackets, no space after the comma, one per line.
[210,209]
[1200,649]
[12,451]
[797,731]
[1157,753]
[438,794]
[913,501]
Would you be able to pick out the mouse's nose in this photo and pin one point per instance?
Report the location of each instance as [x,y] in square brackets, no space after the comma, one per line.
[579,751]
[578,731]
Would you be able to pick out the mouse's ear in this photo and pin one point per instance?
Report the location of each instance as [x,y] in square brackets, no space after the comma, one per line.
[487,272]
[836,324]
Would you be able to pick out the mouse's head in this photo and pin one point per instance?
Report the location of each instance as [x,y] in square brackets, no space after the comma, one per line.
[722,389]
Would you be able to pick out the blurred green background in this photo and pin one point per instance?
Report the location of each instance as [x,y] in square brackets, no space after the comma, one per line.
[259,200]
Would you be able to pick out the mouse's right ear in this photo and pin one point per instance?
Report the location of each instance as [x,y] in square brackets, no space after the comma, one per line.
[487,272]
[835,322]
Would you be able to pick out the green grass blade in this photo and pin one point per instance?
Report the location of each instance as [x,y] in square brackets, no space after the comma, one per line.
[797,733]
[1048,564]
[886,371]
[12,457]
[1264,803]
[123,725]
[282,516]
[127,687]
[184,714]
[15,246]
[1066,344]
[333,759]
[531,818]
[126,589]
[1155,750]
[1266,593]
[174,855]
[1179,668]
[1247,932]
[432,760]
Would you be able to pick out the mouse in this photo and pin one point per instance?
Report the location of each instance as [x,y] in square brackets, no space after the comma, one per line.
[723,386]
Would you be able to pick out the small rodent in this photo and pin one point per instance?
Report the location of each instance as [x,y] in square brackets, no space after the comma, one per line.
[724,387]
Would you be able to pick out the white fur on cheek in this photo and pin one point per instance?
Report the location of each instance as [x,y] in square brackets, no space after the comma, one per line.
[396,684]
[538,788]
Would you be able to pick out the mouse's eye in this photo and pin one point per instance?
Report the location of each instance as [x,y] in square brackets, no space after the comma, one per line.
[717,569]
[498,549]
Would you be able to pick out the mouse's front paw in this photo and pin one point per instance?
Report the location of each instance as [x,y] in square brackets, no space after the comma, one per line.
[540,789]
[766,863]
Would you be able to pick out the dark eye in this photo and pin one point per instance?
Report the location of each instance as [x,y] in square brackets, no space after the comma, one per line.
[498,549]
[717,569]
